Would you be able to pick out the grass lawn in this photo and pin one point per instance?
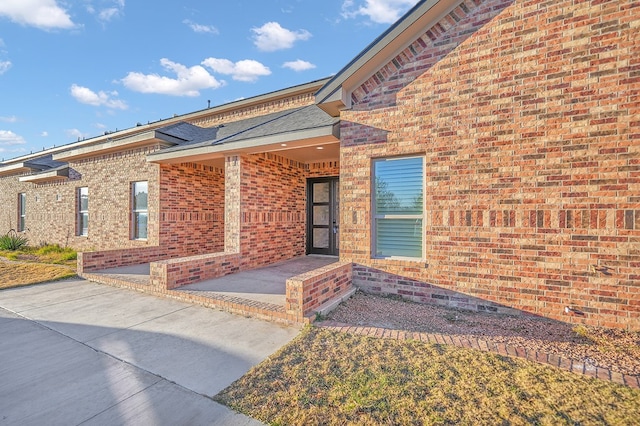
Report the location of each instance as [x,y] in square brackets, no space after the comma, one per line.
[36,265]
[325,377]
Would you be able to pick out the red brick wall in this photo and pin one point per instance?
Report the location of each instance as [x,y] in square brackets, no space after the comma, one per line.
[191,208]
[273,210]
[308,292]
[527,115]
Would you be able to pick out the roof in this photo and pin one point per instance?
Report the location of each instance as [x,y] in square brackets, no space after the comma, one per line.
[43,163]
[336,93]
[283,126]
[49,175]
[35,164]
[188,132]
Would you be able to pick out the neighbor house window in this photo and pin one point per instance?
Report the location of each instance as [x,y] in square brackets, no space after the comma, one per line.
[398,207]
[22,211]
[83,211]
[139,210]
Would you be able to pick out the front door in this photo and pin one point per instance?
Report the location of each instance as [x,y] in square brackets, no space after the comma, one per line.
[323,216]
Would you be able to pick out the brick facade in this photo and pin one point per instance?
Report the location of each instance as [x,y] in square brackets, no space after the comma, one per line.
[267,107]
[186,205]
[51,208]
[527,115]
[273,207]
[191,209]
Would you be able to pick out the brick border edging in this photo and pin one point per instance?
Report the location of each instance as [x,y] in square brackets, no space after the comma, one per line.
[567,364]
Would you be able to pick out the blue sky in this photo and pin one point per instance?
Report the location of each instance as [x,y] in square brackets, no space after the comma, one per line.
[77,68]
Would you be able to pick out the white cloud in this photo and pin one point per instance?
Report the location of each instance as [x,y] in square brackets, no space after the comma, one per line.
[199,28]
[4,66]
[245,70]
[106,14]
[299,65]
[44,134]
[7,137]
[188,81]
[87,96]
[11,119]
[271,37]
[378,11]
[43,14]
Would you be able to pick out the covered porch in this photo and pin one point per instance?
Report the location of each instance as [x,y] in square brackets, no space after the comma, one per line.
[246,191]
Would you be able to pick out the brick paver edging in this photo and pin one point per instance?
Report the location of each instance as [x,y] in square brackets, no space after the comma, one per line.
[500,348]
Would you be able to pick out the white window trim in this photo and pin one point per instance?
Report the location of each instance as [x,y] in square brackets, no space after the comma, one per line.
[80,212]
[135,211]
[22,212]
[375,217]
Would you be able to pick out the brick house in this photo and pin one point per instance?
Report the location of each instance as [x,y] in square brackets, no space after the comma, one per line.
[478,154]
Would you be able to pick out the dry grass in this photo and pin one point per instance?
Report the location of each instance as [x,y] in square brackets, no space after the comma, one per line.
[36,265]
[326,377]
[20,274]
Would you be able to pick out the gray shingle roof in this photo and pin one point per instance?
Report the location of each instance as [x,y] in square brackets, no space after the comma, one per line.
[293,120]
[45,162]
[188,132]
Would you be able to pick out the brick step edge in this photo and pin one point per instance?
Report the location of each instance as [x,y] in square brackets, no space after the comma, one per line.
[567,364]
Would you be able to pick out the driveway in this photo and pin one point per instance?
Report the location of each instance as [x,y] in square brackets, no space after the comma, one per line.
[75,352]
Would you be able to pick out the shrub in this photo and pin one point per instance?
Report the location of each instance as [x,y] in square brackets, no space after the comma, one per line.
[12,241]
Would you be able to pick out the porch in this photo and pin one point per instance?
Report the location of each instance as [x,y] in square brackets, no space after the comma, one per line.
[246,196]
[291,291]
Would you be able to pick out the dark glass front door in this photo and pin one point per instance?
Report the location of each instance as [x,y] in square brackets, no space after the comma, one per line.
[323,216]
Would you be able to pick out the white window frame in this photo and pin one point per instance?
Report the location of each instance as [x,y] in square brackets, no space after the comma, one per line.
[22,211]
[83,213]
[378,216]
[135,212]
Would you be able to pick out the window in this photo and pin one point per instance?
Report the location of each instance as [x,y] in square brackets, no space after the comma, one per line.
[83,211]
[398,207]
[22,211]
[139,212]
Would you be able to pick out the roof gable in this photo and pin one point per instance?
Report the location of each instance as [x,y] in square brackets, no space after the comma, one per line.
[387,54]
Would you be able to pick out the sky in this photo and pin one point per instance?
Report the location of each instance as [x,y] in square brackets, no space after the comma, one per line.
[73,69]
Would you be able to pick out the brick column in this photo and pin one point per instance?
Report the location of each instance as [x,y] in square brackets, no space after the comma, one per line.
[232,175]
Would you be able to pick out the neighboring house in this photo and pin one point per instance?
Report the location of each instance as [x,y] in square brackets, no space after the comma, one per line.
[488,155]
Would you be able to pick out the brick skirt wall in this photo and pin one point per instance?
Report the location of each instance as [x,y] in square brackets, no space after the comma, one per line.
[308,292]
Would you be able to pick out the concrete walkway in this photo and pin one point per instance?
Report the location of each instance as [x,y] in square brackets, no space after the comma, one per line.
[75,352]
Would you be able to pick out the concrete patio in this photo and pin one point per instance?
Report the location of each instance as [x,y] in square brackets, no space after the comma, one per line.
[260,292]
[266,285]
